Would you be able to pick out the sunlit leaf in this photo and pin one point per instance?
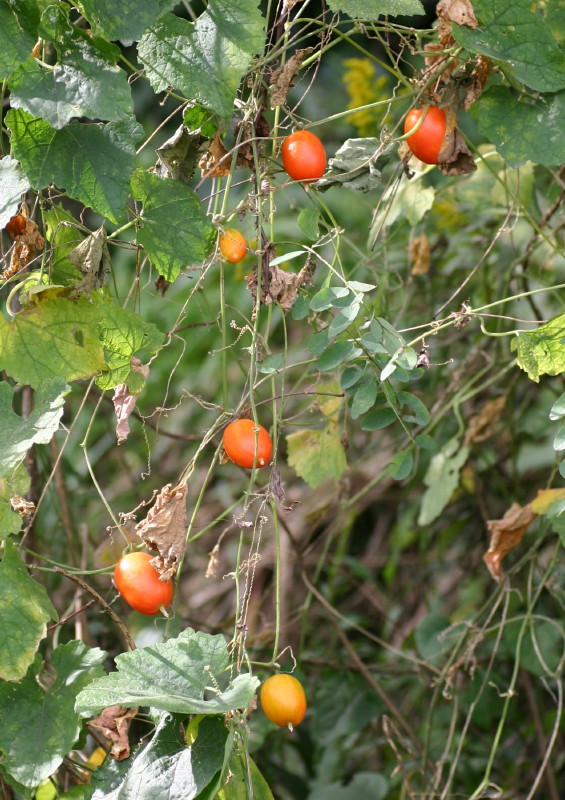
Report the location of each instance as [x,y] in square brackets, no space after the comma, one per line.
[316,455]
[542,351]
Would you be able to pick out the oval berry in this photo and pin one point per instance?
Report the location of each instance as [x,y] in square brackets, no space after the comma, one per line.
[303,156]
[240,440]
[139,584]
[426,142]
[233,245]
[283,700]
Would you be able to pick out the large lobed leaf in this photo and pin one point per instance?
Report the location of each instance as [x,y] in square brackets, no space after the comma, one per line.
[175,231]
[207,59]
[18,34]
[48,713]
[510,32]
[18,434]
[13,183]
[371,9]
[124,20]
[167,768]
[179,676]
[523,128]
[25,609]
[86,82]
[93,162]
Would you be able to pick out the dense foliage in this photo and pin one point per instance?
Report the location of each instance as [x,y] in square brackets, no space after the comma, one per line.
[387,523]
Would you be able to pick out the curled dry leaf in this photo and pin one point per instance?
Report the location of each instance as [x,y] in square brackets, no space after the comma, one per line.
[283,77]
[481,425]
[92,259]
[124,402]
[21,506]
[505,534]
[280,286]
[113,723]
[244,132]
[164,529]
[27,241]
[216,162]
[454,156]
[420,255]
[458,11]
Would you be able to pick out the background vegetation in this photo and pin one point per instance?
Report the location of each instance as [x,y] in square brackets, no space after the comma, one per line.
[402,554]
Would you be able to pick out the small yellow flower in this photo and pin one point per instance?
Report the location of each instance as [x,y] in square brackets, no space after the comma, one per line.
[363,87]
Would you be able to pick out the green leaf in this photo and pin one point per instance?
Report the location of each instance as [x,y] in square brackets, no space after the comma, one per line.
[17,434]
[382,338]
[318,342]
[122,20]
[25,610]
[363,784]
[409,197]
[425,441]
[558,408]
[377,419]
[92,162]
[271,364]
[86,82]
[48,713]
[167,761]
[523,128]
[18,34]
[371,9]
[309,223]
[352,375]
[401,465]
[353,166]
[301,307]
[327,297]
[513,34]
[421,415]
[431,637]
[442,478]
[364,398]
[241,768]
[559,440]
[344,318]
[316,455]
[123,335]
[13,183]
[192,659]
[17,482]
[542,351]
[205,60]
[335,354]
[175,231]
[357,286]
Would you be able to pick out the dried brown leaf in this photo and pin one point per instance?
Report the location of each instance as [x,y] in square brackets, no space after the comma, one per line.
[164,529]
[92,259]
[481,425]
[454,156]
[23,507]
[27,240]
[280,286]
[420,255]
[283,78]
[458,11]
[505,534]
[216,162]
[113,723]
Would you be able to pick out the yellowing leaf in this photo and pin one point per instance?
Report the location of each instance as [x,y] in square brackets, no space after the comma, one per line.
[544,499]
[329,406]
[317,455]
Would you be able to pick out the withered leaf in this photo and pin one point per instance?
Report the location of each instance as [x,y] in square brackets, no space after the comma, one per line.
[23,507]
[124,402]
[505,534]
[244,132]
[92,259]
[420,255]
[280,286]
[458,11]
[27,240]
[113,723]
[454,156]
[481,425]
[216,162]
[283,77]
[178,156]
[164,529]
